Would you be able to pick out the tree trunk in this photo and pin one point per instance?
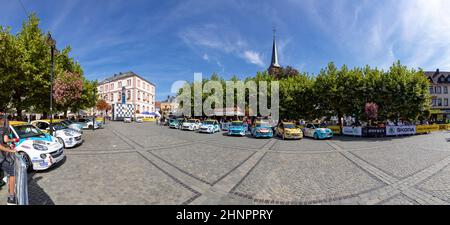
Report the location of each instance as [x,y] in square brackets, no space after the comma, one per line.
[19,112]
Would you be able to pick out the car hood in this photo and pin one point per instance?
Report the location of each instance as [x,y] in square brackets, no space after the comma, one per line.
[207,126]
[188,124]
[236,127]
[48,141]
[293,130]
[325,130]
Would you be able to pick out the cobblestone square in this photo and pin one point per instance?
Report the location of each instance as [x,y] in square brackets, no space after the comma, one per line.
[149,164]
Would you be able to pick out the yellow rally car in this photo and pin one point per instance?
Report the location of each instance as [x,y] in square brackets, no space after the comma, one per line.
[287,130]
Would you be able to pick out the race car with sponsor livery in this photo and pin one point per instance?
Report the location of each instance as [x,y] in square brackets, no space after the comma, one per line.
[209,126]
[88,124]
[191,124]
[73,125]
[287,130]
[237,128]
[176,123]
[316,131]
[262,130]
[40,150]
[68,137]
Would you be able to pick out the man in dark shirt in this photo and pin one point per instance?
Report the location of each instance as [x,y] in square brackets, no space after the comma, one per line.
[7,162]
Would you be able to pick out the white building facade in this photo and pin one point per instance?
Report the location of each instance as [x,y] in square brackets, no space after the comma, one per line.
[138,91]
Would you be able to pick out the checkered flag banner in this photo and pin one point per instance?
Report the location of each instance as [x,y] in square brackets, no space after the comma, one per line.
[122,111]
[21,176]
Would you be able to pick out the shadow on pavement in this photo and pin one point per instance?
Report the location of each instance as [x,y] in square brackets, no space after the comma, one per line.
[36,194]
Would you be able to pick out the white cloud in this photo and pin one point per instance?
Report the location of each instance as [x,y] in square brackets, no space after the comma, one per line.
[379,32]
[253,57]
[220,38]
[205,57]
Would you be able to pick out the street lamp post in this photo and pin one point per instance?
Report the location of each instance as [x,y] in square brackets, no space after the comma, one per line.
[52,43]
[93,111]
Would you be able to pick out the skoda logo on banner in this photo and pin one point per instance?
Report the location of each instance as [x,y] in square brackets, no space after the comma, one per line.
[391,130]
[405,129]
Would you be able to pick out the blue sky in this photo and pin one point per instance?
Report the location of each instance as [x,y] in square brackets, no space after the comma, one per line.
[168,40]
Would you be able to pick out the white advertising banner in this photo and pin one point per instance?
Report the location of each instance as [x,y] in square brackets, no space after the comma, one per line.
[400,130]
[352,131]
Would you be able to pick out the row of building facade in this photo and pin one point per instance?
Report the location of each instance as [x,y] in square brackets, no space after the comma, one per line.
[134,88]
[440,97]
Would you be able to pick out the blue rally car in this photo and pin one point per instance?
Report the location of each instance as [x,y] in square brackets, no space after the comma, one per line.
[237,128]
[262,130]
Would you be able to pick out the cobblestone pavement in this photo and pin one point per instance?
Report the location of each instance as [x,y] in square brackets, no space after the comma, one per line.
[148,164]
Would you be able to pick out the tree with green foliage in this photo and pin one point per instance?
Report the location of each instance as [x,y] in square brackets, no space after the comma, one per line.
[25,66]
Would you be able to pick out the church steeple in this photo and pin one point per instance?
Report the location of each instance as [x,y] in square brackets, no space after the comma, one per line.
[274,67]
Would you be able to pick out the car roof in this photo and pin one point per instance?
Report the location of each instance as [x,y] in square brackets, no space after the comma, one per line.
[285,123]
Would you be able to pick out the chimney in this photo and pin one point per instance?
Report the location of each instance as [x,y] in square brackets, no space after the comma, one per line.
[437,71]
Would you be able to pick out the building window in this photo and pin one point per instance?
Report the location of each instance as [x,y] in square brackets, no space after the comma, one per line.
[431,89]
[112,86]
[438,89]
[445,101]
[128,95]
[129,82]
[439,102]
[433,102]
[120,84]
[139,96]
[111,97]
[139,83]
[445,90]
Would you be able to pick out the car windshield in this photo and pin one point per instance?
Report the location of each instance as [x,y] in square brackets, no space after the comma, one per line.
[262,125]
[172,121]
[67,122]
[192,121]
[289,126]
[208,122]
[59,126]
[238,124]
[27,131]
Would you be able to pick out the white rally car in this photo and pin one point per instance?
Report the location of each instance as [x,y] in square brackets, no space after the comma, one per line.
[41,151]
[209,126]
[191,124]
[68,137]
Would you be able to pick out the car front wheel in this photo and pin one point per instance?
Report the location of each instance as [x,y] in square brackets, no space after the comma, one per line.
[27,160]
[60,140]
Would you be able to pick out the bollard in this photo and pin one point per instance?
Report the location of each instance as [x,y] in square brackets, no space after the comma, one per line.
[21,185]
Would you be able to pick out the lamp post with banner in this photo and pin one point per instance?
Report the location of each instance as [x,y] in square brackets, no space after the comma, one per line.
[93,110]
[52,44]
